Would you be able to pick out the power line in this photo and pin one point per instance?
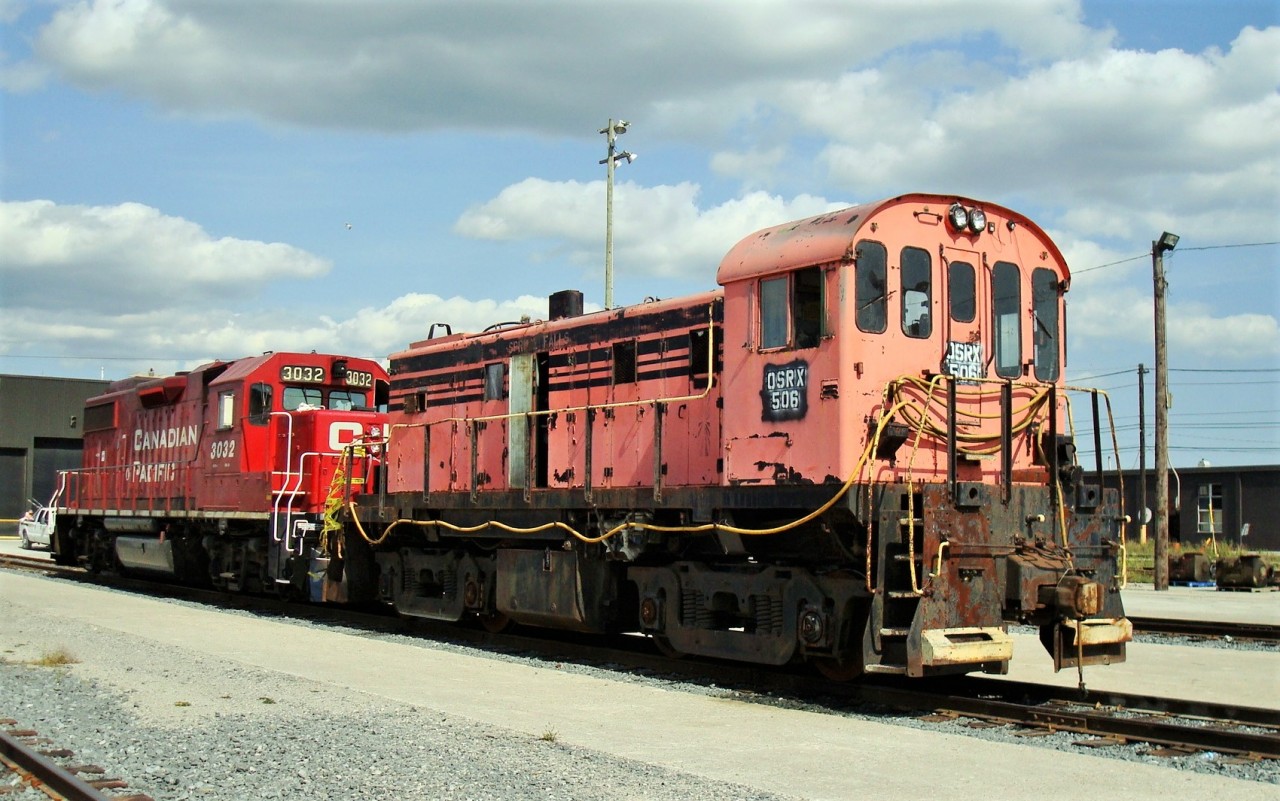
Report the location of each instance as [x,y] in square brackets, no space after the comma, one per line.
[1179,250]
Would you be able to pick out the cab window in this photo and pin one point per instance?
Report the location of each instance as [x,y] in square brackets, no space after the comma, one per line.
[869,287]
[226,410]
[1006,302]
[344,400]
[791,310]
[259,404]
[1044,300]
[916,273]
[302,398]
[961,292]
[773,313]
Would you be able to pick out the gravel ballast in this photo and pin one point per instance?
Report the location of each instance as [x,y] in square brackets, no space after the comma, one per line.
[220,729]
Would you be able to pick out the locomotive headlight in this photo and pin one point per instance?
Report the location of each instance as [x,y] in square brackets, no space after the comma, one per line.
[977,220]
[958,217]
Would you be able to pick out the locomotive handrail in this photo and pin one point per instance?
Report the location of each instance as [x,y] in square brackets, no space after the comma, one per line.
[863,460]
[108,484]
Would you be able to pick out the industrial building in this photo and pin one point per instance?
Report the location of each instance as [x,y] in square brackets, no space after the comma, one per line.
[40,433]
[1236,505]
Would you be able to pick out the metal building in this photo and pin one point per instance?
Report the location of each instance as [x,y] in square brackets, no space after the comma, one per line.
[40,433]
[1239,505]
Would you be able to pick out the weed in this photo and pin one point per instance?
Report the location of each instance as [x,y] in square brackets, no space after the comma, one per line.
[55,658]
[549,736]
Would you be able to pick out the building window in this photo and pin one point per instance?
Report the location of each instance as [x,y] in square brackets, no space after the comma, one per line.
[1006,306]
[869,291]
[1209,509]
[495,377]
[916,273]
[962,292]
[1044,299]
[226,410]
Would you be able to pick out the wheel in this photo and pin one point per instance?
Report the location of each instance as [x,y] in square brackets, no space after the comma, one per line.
[838,671]
[23,542]
[495,623]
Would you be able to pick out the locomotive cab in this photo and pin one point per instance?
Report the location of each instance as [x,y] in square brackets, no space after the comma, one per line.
[911,351]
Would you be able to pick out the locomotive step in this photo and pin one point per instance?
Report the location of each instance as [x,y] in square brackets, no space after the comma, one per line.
[894,632]
[888,670]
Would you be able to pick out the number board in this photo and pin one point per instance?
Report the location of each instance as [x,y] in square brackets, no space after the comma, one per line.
[302,374]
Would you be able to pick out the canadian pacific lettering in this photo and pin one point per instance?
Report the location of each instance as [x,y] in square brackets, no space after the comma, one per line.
[152,473]
[175,437]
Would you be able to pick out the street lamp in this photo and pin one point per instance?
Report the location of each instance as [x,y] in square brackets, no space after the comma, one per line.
[1165,243]
[611,131]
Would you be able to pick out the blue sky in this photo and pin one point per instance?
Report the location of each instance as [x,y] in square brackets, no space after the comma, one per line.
[177,176]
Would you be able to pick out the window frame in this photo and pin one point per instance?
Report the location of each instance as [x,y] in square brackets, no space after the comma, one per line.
[261,397]
[920,331]
[226,410]
[865,272]
[954,276]
[1038,289]
[1011,311]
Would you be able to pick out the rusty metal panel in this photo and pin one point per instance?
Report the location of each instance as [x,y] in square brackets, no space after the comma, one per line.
[555,588]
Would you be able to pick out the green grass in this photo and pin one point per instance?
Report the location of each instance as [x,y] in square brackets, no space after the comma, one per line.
[1142,556]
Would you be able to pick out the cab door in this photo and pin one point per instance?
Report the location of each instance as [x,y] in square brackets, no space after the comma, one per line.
[967,346]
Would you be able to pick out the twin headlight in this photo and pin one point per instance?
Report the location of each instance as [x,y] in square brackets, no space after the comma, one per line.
[972,220]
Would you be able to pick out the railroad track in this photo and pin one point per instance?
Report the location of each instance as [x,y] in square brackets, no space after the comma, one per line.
[1260,632]
[37,768]
[1172,726]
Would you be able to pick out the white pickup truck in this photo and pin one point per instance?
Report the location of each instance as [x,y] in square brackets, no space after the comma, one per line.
[36,527]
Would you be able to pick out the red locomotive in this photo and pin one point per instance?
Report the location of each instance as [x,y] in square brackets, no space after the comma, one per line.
[222,474]
[857,453]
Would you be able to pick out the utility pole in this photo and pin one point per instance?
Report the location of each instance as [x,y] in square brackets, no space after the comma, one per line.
[1166,242]
[1142,454]
[611,131]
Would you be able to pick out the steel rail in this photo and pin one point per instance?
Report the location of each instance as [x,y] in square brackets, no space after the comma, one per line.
[40,773]
[1206,628]
[1124,716]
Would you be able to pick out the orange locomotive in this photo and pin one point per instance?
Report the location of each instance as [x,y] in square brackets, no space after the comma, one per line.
[857,453]
[222,474]
[854,454]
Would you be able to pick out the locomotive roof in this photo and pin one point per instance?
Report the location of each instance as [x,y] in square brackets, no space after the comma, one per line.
[551,328]
[830,238]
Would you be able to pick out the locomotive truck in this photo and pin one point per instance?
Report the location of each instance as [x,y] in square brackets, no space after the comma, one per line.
[857,453]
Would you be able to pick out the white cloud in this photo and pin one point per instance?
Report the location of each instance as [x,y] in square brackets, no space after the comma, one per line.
[132,257]
[495,63]
[127,280]
[659,231]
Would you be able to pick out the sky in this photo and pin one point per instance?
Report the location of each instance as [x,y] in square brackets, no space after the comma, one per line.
[185,180]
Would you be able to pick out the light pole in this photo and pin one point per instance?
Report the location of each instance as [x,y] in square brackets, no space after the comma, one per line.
[611,131]
[1166,242]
